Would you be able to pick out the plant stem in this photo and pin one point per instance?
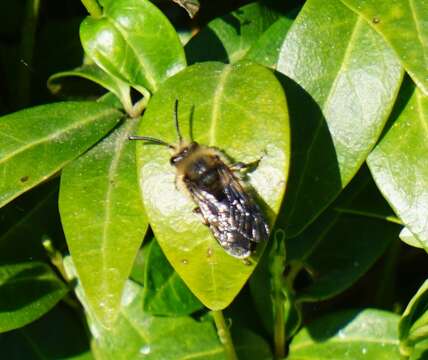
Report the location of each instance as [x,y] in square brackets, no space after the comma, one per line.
[93,8]
[279,327]
[392,219]
[224,334]
[26,51]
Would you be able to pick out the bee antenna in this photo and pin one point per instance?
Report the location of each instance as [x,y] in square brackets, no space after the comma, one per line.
[177,125]
[151,140]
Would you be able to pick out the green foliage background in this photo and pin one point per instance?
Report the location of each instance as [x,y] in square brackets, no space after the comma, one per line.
[101,257]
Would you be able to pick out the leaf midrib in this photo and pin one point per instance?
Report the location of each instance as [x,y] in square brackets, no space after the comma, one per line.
[111,177]
[141,60]
[418,30]
[351,339]
[215,113]
[54,135]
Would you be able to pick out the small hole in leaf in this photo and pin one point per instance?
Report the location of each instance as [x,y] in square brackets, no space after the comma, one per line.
[24,179]
[184,261]
[376,20]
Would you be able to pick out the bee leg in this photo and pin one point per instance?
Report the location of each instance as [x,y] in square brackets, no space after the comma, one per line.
[197,210]
[240,166]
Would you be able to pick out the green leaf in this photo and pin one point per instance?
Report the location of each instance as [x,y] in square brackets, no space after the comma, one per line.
[57,335]
[349,335]
[103,219]
[228,38]
[36,143]
[26,221]
[402,23]
[347,80]
[410,239]
[57,82]
[398,163]
[414,321]
[273,296]
[164,291]
[250,346]
[248,123]
[339,248]
[138,271]
[137,334]
[266,49]
[27,291]
[134,42]
[154,338]
[420,352]
[343,249]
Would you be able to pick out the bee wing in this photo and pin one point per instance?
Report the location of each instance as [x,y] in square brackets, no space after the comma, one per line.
[233,217]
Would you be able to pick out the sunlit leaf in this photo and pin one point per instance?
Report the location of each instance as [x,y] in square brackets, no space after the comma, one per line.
[248,123]
[134,42]
[344,80]
[103,219]
[403,25]
[36,143]
[414,321]
[228,38]
[399,163]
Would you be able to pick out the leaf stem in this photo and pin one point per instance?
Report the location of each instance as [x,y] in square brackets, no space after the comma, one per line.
[278,284]
[55,258]
[279,327]
[93,8]
[392,219]
[224,334]
[26,51]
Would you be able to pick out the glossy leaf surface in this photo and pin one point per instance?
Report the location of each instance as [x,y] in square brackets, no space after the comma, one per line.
[134,42]
[57,82]
[403,24]
[220,112]
[27,291]
[413,322]
[266,49]
[344,79]
[410,239]
[36,143]
[137,335]
[149,337]
[399,163]
[228,38]
[103,219]
[349,335]
[57,335]
[164,291]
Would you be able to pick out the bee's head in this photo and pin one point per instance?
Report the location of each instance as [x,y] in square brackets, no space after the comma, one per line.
[183,152]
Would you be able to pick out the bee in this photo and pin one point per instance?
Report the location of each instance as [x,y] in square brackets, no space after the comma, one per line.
[226,207]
